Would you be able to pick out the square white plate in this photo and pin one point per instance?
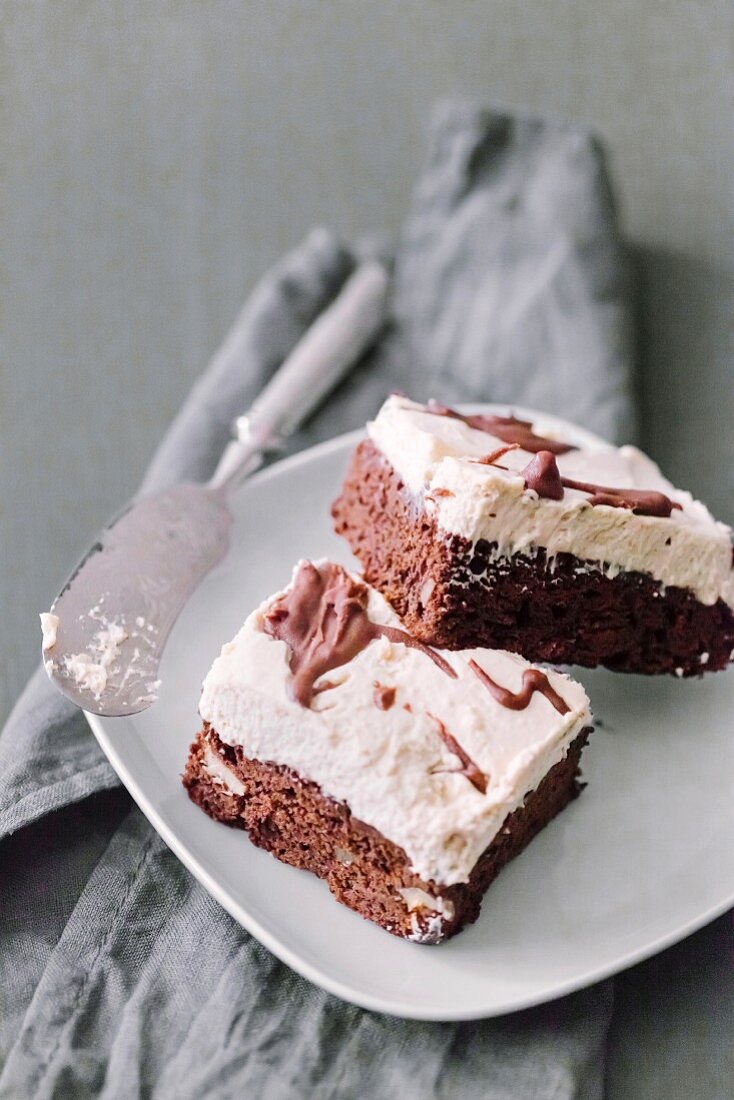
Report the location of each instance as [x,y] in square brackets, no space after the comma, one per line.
[642,859]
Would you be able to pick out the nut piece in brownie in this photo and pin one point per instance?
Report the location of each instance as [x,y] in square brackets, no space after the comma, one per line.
[492,531]
[404,776]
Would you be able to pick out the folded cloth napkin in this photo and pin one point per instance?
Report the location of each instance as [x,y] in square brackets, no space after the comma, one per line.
[120,976]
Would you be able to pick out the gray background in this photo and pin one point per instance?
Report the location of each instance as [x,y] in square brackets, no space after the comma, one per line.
[157,156]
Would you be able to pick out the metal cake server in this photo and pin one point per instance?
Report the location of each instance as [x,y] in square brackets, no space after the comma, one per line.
[106,631]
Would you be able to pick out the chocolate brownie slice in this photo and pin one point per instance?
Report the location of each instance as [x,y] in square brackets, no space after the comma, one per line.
[480,531]
[403,775]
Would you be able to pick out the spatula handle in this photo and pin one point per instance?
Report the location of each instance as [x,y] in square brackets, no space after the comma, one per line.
[329,349]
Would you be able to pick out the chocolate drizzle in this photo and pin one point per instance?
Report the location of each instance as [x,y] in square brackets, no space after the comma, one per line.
[323,620]
[325,685]
[532,680]
[507,428]
[494,456]
[384,697]
[543,476]
[468,768]
[643,502]
[393,634]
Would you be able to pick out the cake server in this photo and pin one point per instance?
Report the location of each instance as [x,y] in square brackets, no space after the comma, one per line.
[104,636]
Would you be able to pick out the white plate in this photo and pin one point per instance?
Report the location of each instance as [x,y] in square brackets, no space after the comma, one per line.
[643,858]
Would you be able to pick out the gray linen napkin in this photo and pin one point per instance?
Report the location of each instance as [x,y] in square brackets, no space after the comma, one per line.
[120,976]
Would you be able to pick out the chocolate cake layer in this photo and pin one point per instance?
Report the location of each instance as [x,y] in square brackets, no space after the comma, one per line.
[293,820]
[455,594]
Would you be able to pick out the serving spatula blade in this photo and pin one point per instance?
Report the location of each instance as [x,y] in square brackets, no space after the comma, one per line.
[105,634]
[117,609]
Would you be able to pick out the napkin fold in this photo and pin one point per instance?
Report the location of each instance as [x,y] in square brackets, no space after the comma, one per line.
[120,975]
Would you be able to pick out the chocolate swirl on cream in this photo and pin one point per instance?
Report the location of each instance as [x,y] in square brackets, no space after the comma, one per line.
[532,680]
[468,768]
[643,502]
[383,696]
[507,428]
[543,476]
[494,456]
[322,618]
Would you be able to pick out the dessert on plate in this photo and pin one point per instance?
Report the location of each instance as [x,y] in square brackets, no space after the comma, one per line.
[403,775]
[495,531]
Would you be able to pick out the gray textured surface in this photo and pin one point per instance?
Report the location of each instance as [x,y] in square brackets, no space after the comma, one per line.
[156,158]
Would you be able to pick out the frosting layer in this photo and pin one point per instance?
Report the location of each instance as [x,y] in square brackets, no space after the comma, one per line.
[402,770]
[436,455]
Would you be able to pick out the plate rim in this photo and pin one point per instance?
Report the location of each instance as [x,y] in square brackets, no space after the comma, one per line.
[316,975]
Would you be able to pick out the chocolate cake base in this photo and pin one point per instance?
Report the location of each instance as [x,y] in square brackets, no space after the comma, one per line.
[457,595]
[291,818]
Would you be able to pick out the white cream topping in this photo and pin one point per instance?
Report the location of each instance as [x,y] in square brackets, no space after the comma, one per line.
[689,549]
[49,627]
[391,767]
